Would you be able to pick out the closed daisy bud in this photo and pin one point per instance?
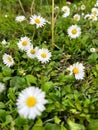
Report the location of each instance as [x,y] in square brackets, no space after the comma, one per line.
[43,55]
[30,102]
[24,43]
[2,87]
[77,69]
[38,20]
[8,60]
[74,31]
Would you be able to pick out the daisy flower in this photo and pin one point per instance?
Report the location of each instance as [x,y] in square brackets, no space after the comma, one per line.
[20,18]
[38,20]
[30,102]
[2,87]
[66,11]
[43,55]
[76,17]
[3,42]
[32,52]
[78,70]
[93,17]
[94,11]
[87,16]
[24,43]
[74,31]
[8,60]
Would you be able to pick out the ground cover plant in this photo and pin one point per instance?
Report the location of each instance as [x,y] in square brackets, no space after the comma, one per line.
[48,65]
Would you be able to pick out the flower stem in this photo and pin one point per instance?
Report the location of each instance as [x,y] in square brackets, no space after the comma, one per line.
[22,7]
[52,24]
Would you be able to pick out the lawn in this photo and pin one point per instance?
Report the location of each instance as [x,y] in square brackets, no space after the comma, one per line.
[48,65]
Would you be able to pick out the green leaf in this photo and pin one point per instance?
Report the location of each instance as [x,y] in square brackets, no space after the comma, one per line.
[2,105]
[7,71]
[47,85]
[63,128]
[38,128]
[75,126]
[31,79]
[50,126]
[93,125]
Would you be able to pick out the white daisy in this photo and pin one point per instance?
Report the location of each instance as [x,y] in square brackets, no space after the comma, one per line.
[20,18]
[93,17]
[66,11]
[32,52]
[43,55]
[78,70]
[2,87]
[30,102]
[94,11]
[8,60]
[87,16]
[96,5]
[24,43]
[74,31]
[3,42]
[38,20]
[76,17]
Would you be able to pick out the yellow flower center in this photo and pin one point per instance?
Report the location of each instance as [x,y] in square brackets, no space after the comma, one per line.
[43,55]
[24,43]
[74,31]
[31,101]
[9,59]
[37,21]
[93,16]
[94,12]
[76,18]
[75,70]
[65,10]
[32,51]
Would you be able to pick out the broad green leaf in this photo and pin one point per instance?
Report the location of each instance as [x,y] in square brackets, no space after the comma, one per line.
[93,124]
[31,79]
[50,126]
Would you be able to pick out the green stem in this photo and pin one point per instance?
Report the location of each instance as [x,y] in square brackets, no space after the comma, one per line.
[22,7]
[52,24]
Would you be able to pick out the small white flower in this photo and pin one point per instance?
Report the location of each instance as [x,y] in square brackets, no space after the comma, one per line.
[3,42]
[76,17]
[56,8]
[94,11]
[6,15]
[96,5]
[24,43]
[92,50]
[2,87]
[38,20]
[20,18]
[93,17]
[66,11]
[77,69]
[30,102]
[87,16]
[83,7]
[32,52]
[43,55]
[8,60]
[74,31]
